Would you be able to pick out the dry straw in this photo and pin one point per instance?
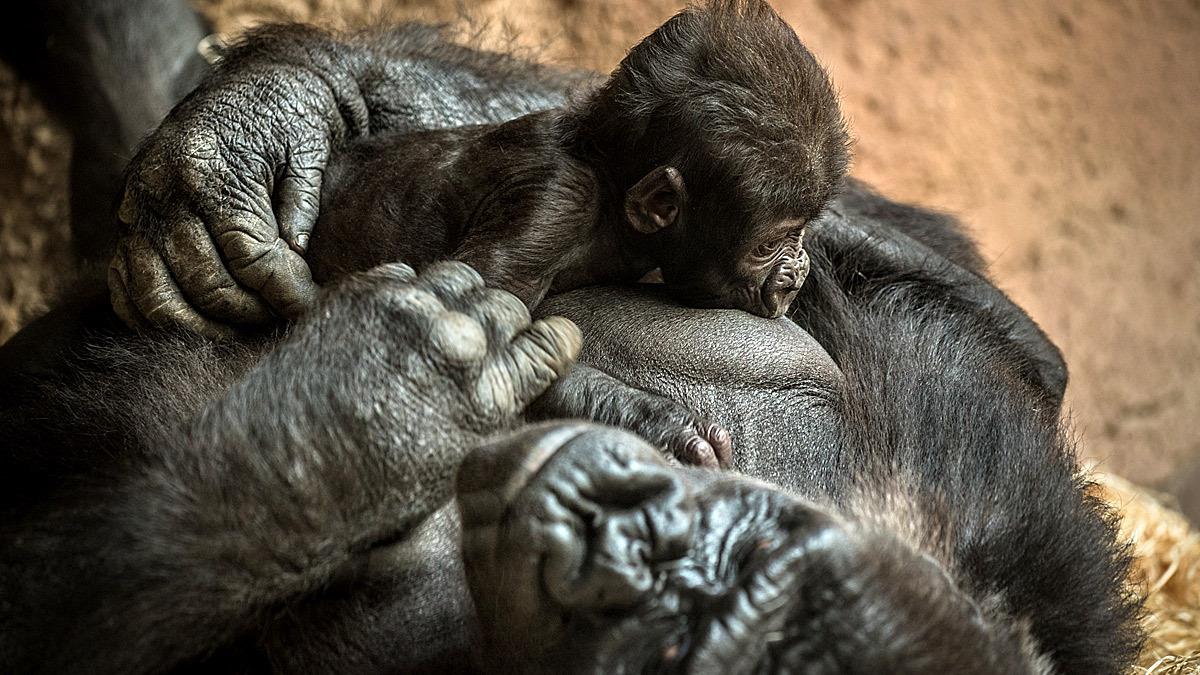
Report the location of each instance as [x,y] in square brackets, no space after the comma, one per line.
[1167,573]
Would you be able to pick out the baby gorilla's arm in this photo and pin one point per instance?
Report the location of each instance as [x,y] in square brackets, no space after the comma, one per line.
[587,393]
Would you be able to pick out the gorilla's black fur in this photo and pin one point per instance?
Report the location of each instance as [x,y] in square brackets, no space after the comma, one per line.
[282,503]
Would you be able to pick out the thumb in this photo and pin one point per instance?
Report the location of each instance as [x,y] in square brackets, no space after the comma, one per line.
[534,359]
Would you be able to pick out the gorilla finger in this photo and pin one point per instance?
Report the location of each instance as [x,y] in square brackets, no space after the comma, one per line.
[457,338]
[500,313]
[694,450]
[200,273]
[158,298]
[118,291]
[719,440]
[298,194]
[702,443]
[534,359]
[270,267]
[452,281]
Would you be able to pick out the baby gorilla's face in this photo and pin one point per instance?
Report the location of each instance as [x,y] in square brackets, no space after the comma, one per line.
[762,276]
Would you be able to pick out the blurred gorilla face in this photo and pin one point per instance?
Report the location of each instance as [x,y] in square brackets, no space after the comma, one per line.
[585,550]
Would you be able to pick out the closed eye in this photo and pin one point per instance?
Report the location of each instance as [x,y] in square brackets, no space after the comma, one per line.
[767,251]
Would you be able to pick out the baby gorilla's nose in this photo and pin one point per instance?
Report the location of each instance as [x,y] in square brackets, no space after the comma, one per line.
[782,284]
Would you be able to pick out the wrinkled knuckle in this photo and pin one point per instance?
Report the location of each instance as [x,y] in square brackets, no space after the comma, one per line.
[200,166]
[245,247]
[309,155]
[544,351]
[495,395]
[140,205]
[458,338]
[452,276]
[505,307]
[408,302]
[220,297]
[158,302]
[558,337]
[139,253]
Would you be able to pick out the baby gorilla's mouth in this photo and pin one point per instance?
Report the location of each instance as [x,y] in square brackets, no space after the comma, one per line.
[775,296]
[782,284]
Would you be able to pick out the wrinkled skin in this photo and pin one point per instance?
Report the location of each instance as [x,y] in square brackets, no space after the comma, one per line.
[550,201]
[219,513]
[649,169]
[692,571]
[218,223]
[221,201]
[165,498]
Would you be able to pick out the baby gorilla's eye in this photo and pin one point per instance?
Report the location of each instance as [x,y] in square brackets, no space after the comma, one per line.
[792,236]
[766,251]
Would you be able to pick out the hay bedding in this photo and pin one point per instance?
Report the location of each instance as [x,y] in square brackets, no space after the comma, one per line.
[33,245]
[1167,572]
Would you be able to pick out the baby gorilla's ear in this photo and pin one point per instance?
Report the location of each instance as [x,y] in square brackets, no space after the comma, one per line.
[656,201]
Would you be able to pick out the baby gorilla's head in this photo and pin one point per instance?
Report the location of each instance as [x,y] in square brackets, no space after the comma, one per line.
[726,136]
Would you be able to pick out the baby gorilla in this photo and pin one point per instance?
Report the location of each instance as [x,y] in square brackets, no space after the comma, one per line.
[705,154]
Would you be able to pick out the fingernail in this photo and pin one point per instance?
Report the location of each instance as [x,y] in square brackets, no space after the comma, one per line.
[301,243]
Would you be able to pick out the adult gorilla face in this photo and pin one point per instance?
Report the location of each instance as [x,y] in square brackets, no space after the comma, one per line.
[584,548]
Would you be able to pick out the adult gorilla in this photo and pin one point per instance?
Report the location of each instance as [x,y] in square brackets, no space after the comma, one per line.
[172,503]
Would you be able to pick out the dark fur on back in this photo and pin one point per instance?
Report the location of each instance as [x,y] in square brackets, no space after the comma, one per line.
[988,473]
[939,231]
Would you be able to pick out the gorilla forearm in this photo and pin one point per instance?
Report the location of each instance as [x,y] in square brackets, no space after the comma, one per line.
[110,70]
[281,485]
[186,547]
[371,78]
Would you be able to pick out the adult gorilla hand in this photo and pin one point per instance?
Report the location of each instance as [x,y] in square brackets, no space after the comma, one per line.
[221,199]
[460,357]
[343,438]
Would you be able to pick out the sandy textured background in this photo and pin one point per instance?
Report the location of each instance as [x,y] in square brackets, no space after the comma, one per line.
[1066,134]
